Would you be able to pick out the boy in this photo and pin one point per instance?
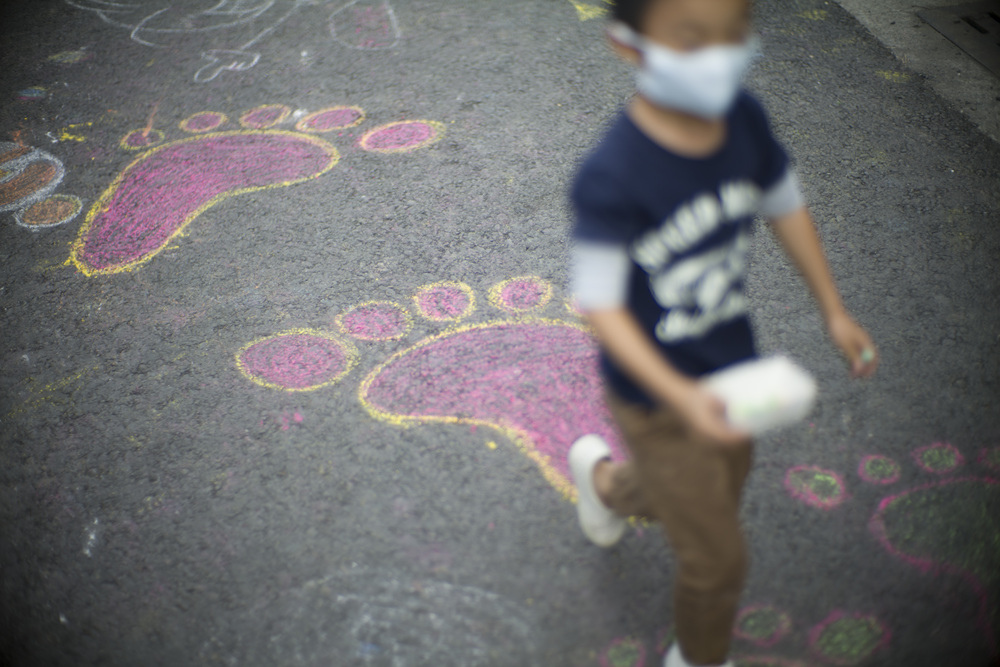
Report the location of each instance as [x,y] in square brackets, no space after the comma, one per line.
[663,209]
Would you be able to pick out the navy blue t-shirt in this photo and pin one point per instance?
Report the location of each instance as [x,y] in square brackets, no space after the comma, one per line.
[685,223]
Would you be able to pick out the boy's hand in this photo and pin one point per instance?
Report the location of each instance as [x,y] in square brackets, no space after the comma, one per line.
[855,343]
[706,415]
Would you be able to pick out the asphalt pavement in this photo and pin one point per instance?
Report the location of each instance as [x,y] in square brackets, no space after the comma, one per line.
[289,365]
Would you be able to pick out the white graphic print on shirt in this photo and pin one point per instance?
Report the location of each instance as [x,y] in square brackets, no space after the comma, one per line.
[700,291]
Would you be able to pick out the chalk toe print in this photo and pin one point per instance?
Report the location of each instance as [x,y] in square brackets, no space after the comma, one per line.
[531,378]
[28,176]
[171,183]
[946,525]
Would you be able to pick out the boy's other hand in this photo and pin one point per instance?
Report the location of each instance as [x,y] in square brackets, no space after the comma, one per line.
[706,415]
[855,343]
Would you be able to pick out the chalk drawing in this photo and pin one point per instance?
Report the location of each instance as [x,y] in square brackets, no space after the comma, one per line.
[848,638]
[586,11]
[265,116]
[364,616]
[939,457]
[624,652]
[205,121]
[401,136]
[333,118]
[815,486]
[445,301]
[234,29]
[536,382]
[877,469]
[763,625]
[54,210]
[365,24]
[140,140]
[71,57]
[521,295]
[296,360]
[375,320]
[156,197]
[32,94]
[949,527]
[990,457]
[27,178]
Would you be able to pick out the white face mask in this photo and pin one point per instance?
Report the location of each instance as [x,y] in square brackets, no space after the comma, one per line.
[703,82]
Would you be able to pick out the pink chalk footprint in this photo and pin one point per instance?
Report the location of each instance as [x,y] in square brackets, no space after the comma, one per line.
[535,381]
[162,191]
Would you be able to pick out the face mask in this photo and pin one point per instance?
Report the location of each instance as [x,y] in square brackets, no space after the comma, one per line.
[703,82]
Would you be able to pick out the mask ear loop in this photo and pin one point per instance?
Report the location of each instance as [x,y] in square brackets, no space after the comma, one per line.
[624,35]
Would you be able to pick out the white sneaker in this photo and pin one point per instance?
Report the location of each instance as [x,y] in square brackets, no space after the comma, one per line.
[674,658]
[602,526]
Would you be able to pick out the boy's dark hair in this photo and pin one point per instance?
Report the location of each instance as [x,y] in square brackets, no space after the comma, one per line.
[630,12]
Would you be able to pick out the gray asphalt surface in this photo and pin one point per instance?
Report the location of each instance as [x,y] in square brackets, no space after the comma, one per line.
[160,508]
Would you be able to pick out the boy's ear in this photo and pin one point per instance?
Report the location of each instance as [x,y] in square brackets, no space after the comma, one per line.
[625,52]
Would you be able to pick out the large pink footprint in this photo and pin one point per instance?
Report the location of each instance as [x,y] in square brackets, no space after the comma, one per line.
[161,192]
[535,381]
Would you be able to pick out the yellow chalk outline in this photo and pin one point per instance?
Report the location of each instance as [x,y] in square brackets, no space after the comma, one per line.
[469,309]
[406,316]
[159,140]
[184,123]
[100,205]
[494,295]
[301,125]
[585,11]
[286,111]
[438,128]
[350,359]
[520,439]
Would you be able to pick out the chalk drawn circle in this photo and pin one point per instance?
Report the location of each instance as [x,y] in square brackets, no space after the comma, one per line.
[848,638]
[815,486]
[297,360]
[521,295]
[32,94]
[334,118]
[139,140]
[878,469]
[52,211]
[764,625]
[375,320]
[380,617]
[624,652]
[265,116]
[990,457]
[445,301]
[204,121]
[70,57]
[401,136]
[938,458]
[573,306]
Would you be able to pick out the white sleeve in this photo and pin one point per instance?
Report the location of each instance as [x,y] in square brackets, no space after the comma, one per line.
[783,197]
[600,274]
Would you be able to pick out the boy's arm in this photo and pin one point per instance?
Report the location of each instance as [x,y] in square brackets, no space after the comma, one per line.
[630,347]
[797,235]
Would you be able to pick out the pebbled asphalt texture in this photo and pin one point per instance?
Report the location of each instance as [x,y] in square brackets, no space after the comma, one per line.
[159,508]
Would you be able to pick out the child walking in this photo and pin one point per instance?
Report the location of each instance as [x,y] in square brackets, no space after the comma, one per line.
[663,207]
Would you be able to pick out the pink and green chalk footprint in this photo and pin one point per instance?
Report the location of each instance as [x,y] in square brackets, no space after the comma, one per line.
[947,526]
[170,184]
[535,380]
[842,638]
